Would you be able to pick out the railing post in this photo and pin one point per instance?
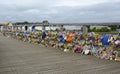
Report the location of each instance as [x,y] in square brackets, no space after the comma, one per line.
[85,29]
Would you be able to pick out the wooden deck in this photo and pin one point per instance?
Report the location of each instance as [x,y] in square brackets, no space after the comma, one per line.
[17,57]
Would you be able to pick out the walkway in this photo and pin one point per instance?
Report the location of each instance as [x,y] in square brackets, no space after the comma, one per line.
[17,57]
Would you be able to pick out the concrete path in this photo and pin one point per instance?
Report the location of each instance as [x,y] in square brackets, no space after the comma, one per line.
[17,57]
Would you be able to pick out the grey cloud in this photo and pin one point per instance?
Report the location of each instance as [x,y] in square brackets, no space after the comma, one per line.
[46,10]
[104,12]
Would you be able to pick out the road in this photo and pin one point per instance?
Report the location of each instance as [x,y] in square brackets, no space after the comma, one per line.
[17,57]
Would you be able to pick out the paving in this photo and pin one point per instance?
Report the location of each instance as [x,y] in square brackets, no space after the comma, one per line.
[17,57]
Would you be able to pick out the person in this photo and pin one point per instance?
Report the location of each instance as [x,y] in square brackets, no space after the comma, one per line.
[33,27]
[25,35]
[43,35]
[119,32]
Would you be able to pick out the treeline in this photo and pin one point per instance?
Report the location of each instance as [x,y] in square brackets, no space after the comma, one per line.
[104,29]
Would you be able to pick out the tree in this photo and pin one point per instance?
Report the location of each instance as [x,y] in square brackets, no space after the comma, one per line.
[25,22]
[88,26]
[104,29]
[113,27]
[94,29]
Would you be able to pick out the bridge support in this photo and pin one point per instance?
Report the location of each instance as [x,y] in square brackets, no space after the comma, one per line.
[85,29]
[43,28]
[17,27]
[61,28]
[13,28]
[20,28]
[0,28]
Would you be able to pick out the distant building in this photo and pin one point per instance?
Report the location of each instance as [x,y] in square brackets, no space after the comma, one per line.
[45,22]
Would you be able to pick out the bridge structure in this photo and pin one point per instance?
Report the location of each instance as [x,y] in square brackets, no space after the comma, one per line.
[45,24]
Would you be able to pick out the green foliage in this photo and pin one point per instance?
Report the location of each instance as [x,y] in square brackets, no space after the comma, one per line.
[104,29]
[113,27]
[88,28]
[64,29]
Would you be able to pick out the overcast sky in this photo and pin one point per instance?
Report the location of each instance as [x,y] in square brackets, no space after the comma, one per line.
[71,11]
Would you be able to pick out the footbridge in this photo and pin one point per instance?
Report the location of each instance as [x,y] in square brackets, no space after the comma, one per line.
[45,24]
